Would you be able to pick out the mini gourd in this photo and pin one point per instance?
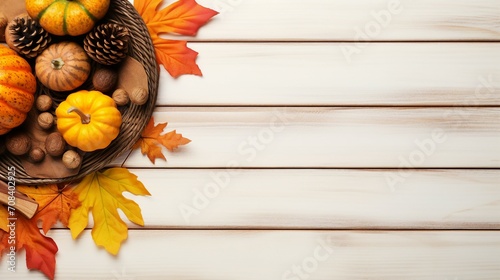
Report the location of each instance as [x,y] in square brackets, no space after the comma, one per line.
[63,66]
[88,120]
[67,17]
[17,89]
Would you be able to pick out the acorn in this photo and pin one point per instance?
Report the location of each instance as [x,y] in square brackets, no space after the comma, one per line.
[18,144]
[46,120]
[120,96]
[105,79]
[36,155]
[55,144]
[43,103]
[139,96]
[71,159]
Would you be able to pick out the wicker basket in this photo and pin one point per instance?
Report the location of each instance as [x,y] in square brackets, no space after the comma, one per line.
[134,117]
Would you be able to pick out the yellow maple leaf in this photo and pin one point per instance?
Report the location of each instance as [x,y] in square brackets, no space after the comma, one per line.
[101,193]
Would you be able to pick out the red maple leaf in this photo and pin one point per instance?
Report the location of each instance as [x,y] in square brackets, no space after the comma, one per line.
[183,17]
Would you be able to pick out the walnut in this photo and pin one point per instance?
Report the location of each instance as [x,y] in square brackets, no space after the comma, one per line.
[43,103]
[105,79]
[46,120]
[71,159]
[55,144]
[120,96]
[18,144]
[139,96]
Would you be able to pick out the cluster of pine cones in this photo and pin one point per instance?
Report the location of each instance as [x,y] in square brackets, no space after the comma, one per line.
[107,44]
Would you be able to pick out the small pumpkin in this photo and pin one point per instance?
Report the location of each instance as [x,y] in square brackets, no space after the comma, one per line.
[63,66]
[17,89]
[67,17]
[88,120]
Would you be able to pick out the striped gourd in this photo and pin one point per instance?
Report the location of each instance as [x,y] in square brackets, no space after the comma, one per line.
[67,17]
[63,66]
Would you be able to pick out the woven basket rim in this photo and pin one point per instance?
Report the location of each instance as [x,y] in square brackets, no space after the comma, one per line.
[134,117]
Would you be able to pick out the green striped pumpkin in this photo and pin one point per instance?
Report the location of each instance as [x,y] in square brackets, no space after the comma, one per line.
[63,66]
[67,17]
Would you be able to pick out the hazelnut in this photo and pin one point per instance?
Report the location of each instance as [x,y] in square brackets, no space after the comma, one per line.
[71,159]
[105,79]
[139,96]
[55,144]
[43,103]
[36,155]
[18,144]
[120,96]
[46,120]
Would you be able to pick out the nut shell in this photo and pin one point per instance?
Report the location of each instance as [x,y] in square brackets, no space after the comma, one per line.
[46,120]
[55,144]
[43,103]
[71,159]
[120,96]
[36,155]
[18,144]
[139,96]
[105,79]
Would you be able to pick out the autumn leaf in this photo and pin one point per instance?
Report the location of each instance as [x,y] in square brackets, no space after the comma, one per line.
[183,17]
[172,140]
[152,138]
[179,58]
[102,193]
[55,203]
[40,249]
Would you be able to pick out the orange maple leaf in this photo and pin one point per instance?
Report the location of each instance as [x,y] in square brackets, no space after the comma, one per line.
[152,138]
[40,249]
[54,203]
[183,17]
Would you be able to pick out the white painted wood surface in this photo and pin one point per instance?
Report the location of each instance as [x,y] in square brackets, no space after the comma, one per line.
[335,121]
[321,74]
[332,137]
[339,20]
[256,255]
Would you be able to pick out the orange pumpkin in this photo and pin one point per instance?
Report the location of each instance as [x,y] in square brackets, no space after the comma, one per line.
[17,89]
[63,66]
[67,17]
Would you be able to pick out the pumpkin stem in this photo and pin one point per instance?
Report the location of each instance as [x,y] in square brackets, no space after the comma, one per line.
[85,117]
[57,63]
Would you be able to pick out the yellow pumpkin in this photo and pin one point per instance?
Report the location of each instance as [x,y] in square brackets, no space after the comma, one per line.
[67,17]
[63,66]
[17,89]
[88,120]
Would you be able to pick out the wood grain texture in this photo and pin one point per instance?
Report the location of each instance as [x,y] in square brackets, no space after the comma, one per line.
[321,199]
[305,74]
[258,255]
[340,19]
[332,137]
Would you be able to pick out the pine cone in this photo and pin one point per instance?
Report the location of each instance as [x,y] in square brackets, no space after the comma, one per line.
[26,36]
[107,44]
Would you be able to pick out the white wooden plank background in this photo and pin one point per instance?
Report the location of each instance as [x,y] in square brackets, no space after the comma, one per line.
[321,20]
[320,74]
[334,121]
[256,255]
[332,137]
